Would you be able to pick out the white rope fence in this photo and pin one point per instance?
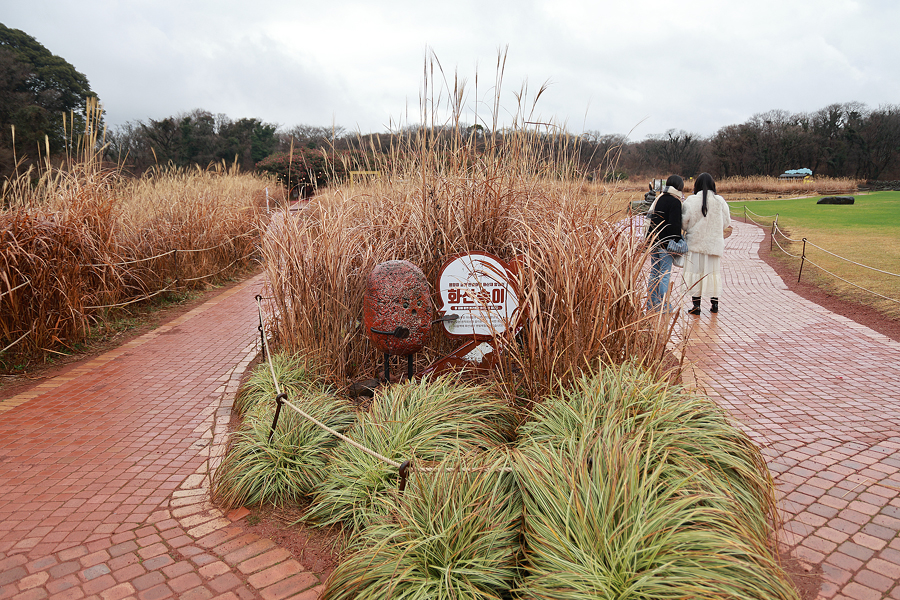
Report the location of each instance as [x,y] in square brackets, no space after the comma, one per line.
[142,298]
[149,258]
[245,257]
[746,218]
[243,235]
[10,291]
[780,247]
[777,231]
[851,261]
[894,300]
[18,340]
[131,262]
[278,391]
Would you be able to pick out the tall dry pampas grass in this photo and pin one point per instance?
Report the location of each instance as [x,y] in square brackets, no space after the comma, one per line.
[81,237]
[581,283]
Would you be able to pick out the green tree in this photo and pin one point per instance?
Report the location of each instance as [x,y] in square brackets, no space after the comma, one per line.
[305,169]
[36,89]
[248,140]
[311,137]
[199,140]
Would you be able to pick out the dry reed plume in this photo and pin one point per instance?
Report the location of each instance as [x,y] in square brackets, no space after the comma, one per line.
[634,188]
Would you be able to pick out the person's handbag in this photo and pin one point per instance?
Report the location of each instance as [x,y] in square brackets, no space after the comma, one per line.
[677,248]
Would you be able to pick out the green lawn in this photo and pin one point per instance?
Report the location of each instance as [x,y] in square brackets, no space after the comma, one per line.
[867,232]
[873,213]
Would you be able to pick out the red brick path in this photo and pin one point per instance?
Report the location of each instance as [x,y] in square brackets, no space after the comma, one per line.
[821,395]
[103,487]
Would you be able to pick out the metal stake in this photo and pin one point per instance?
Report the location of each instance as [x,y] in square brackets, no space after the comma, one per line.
[404,473]
[175,267]
[802,260]
[262,333]
[279,401]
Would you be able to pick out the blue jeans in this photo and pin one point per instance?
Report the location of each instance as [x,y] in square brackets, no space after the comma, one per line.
[658,283]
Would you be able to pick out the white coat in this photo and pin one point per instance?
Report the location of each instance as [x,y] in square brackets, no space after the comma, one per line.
[705,235]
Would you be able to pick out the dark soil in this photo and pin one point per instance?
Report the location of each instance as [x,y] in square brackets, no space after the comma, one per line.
[806,578]
[314,548]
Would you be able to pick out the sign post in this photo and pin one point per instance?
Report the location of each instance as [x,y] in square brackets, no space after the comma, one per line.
[479,303]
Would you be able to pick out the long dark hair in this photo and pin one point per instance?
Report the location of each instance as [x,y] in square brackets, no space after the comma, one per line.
[705,183]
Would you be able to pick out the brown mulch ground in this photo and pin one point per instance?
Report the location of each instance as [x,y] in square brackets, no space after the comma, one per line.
[807,578]
[318,550]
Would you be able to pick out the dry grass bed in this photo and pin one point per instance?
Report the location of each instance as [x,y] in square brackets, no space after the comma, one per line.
[495,516]
[581,281]
[737,187]
[749,188]
[81,244]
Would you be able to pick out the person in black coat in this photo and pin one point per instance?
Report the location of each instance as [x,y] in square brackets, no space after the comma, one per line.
[665,225]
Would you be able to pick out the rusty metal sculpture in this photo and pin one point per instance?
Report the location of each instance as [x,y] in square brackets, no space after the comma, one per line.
[397,311]
[479,304]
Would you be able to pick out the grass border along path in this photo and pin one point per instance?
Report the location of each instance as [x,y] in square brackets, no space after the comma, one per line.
[865,232]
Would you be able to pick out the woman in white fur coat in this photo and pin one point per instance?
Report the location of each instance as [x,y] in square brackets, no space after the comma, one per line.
[705,217]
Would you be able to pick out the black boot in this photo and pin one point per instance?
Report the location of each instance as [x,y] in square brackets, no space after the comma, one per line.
[696,309]
[715,305]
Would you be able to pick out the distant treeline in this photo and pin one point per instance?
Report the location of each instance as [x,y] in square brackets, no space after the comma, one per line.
[840,140]
[195,138]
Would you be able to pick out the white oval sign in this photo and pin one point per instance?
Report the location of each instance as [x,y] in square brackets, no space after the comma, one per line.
[478,288]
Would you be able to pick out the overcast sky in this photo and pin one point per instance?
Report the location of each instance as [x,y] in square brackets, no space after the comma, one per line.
[634,67]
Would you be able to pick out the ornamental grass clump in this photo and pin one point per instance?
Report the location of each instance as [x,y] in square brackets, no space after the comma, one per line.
[287,468]
[608,519]
[296,374]
[679,431]
[421,421]
[453,534]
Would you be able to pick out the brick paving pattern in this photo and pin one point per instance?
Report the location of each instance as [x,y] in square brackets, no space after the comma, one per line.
[104,470]
[820,394]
